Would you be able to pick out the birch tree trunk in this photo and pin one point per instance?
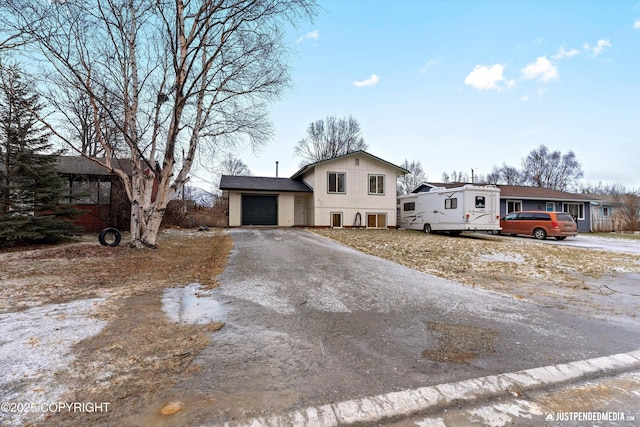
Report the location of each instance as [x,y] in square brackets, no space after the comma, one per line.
[160,76]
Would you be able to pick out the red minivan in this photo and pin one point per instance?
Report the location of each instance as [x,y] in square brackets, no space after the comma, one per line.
[539,224]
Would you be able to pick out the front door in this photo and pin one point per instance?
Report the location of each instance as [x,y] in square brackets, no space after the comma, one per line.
[298,211]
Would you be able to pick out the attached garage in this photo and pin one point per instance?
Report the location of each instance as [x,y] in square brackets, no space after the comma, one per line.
[259,209]
[265,201]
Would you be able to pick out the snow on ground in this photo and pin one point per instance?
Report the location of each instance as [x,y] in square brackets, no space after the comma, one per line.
[35,344]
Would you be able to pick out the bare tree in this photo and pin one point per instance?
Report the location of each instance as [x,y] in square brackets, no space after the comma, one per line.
[455,176]
[551,169]
[329,138]
[232,165]
[629,211]
[413,179]
[614,189]
[166,76]
[506,175]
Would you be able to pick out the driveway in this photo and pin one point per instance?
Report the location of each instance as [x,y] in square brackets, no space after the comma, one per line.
[309,321]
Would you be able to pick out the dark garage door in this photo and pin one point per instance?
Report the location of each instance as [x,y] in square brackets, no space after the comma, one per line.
[259,210]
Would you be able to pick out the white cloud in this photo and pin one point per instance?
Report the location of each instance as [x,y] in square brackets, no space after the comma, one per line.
[371,81]
[597,49]
[312,35]
[636,24]
[542,70]
[562,53]
[485,77]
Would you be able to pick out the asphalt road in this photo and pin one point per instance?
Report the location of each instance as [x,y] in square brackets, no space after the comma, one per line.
[309,322]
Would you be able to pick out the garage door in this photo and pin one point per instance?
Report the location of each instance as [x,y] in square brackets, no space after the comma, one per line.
[259,210]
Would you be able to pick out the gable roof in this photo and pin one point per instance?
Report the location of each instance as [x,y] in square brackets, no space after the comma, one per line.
[80,165]
[261,183]
[523,192]
[308,168]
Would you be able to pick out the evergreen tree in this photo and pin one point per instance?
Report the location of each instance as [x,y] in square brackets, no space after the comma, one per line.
[30,187]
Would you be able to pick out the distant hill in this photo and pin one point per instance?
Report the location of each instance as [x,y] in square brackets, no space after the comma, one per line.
[198,195]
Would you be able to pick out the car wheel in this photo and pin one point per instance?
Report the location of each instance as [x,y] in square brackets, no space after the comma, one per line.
[539,234]
[427,228]
[561,237]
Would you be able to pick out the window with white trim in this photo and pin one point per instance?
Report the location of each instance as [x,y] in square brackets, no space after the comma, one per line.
[376,220]
[376,184]
[514,206]
[336,181]
[336,219]
[575,209]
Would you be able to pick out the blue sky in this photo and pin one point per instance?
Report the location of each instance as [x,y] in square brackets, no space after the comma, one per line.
[461,85]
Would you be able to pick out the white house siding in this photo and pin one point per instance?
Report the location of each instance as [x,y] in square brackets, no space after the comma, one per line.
[356,198]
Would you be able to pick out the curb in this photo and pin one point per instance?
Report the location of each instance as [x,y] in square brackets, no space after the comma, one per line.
[403,403]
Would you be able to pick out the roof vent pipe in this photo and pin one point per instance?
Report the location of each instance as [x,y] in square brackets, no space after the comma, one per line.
[277,168]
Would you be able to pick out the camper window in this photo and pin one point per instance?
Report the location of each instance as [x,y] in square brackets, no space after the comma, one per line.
[479,201]
[409,206]
[451,203]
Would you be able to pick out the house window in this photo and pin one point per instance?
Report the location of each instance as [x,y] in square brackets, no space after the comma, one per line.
[411,206]
[336,182]
[376,220]
[376,184]
[606,211]
[575,209]
[551,207]
[514,206]
[451,203]
[357,162]
[336,219]
[85,192]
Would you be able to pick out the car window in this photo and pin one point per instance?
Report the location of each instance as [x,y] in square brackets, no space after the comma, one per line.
[542,216]
[525,216]
[510,217]
[564,217]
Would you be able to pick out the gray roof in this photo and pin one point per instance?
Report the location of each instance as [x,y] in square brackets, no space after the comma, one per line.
[79,165]
[260,183]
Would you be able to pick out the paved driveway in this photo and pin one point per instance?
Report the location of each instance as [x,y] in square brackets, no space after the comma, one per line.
[309,321]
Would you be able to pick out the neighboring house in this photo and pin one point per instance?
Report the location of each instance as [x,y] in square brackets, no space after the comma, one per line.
[97,192]
[523,198]
[605,213]
[353,190]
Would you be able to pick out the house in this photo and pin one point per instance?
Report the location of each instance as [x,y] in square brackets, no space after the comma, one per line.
[606,213]
[97,192]
[522,198]
[357,189]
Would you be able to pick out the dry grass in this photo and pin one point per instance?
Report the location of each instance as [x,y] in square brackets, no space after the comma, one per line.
[476,258]
[137,358]
[525,269]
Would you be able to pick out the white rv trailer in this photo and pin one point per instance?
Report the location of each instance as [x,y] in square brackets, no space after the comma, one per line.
[452,210]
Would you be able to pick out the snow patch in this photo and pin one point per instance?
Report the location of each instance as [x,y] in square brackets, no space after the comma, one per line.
[192,305]
[518,259]
[35,345]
